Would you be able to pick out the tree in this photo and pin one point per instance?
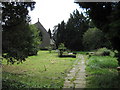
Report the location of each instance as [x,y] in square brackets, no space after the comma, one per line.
[19,39]
[94,38]
[114,29]
[49,31]
[72,32]
[59,34]
[106,17]
[35,40]
[75,28]
[61,48]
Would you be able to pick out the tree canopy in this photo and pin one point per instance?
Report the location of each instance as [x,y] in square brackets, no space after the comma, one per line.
[94,38]
[49,31]
[59,33]
[71,33]
[106,17]
[19,38]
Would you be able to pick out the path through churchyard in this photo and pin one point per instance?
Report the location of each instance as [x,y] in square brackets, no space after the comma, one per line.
[76,76]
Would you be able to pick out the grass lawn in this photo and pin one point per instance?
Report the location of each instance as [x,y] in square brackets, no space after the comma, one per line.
[102,72]
[46,70]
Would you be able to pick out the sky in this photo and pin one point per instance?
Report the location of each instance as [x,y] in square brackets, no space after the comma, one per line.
[52,12]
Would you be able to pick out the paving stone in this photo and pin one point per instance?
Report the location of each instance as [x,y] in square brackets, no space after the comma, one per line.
[71,75]
[68,85]
[77,82]
[77,78]
[68,78]
[79,63]
[73,71]
[73,68]
[80,74]
[78,71]
[80,86]
[67,81]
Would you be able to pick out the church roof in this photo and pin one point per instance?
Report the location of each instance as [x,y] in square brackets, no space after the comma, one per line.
[40,26]
[45,35]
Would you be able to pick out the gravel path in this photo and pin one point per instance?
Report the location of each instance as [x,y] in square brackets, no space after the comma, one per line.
[76,76]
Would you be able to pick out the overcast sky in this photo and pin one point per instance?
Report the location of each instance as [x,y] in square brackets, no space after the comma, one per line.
[52,12]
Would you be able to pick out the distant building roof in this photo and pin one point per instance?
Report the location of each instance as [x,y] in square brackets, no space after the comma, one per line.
[45,35]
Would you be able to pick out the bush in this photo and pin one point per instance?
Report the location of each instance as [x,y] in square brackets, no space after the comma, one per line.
[94,38]
[49,48]
[104,52]
[20,42]
[61,48]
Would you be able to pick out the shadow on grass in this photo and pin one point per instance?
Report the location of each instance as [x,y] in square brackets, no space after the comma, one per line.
[73,56]
[12,85]
[9,84]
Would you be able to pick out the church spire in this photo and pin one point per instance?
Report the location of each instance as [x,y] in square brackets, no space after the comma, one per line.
[38,19]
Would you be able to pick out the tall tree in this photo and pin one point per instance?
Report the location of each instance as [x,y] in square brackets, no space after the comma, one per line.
[59,34]
[55,34]
[18,36]
[49,31]
[71,33]
[75,28]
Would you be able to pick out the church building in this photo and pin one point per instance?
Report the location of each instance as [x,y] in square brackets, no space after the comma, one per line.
[45,36]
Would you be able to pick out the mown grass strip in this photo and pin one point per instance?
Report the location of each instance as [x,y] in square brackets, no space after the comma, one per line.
[46,70]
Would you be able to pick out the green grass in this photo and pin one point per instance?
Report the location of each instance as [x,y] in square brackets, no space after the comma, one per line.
[102,72]
[46,70]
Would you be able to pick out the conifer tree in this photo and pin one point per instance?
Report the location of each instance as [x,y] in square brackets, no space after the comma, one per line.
[19,38]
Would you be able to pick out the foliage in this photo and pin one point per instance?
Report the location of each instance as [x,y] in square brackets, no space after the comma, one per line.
[102,73]
[35,40]
[23,42]
[32,73]
[71,33]
[13,13]
[75,28]
[12,84]
[19,39]
[94,38]
[61,48]
[50,48]
[104,52]
[106,17]
[59,32]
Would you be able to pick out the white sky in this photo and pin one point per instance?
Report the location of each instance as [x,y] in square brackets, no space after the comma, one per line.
[52,12]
